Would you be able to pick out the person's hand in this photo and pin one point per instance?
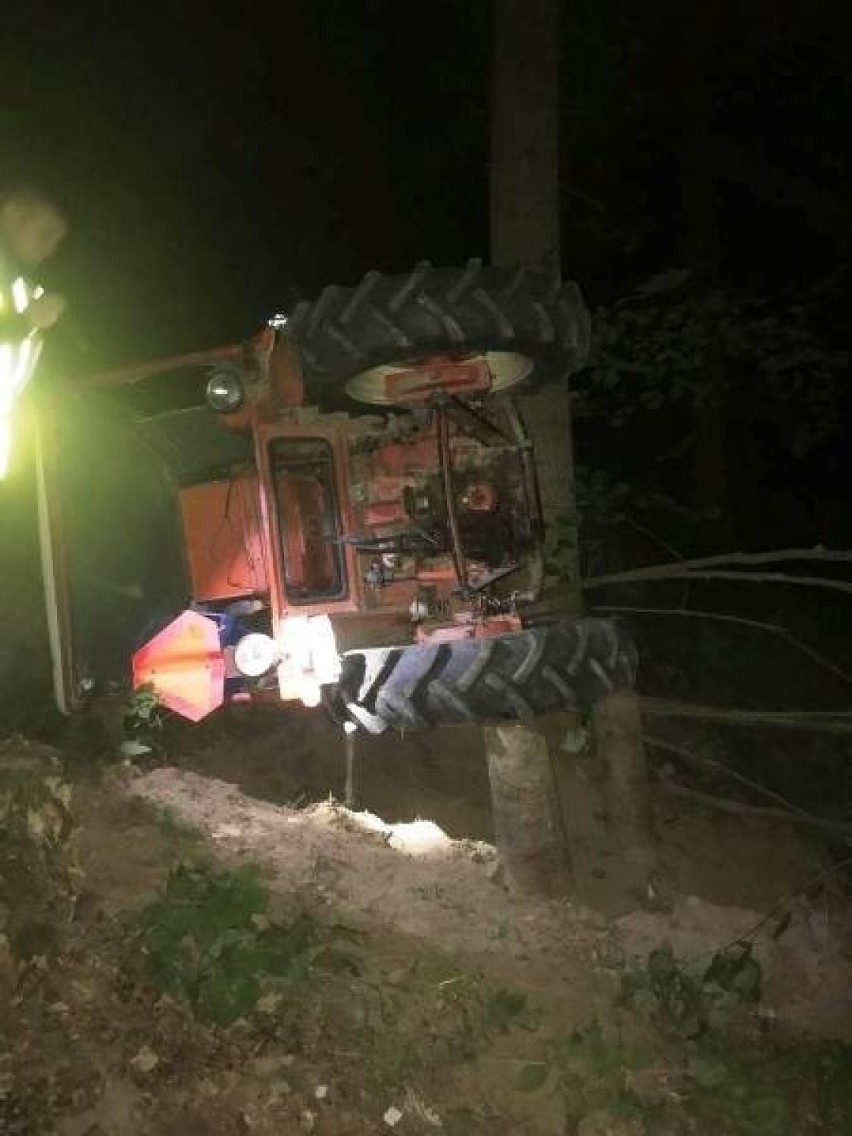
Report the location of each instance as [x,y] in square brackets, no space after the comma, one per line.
[44,312]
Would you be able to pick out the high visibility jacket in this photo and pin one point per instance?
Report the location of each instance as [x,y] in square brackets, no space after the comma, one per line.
[20,348]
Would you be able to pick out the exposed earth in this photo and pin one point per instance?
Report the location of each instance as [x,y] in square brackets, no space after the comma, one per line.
[463,990]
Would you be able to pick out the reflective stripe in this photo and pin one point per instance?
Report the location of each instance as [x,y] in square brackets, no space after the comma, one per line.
[20,295]
[17,364]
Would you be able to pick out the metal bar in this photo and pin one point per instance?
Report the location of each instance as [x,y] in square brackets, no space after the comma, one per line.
[352,791]
[127,376]
[525,448]
[476,424]
[442,425]
[54,568]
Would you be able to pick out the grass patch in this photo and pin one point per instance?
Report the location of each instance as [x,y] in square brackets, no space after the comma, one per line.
[707,1064]
[684,1052]
[592,1071]
[692,999]
[209,940]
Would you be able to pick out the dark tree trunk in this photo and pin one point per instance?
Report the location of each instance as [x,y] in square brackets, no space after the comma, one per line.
[618,737]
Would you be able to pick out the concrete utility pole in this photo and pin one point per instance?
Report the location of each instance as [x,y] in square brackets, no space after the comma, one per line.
[525,227]
[525,216]
[528,827]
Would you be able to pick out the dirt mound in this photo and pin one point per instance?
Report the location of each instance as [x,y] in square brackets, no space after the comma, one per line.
[409,876]
[414,879]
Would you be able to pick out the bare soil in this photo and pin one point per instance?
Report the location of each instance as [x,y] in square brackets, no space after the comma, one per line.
[86,1049]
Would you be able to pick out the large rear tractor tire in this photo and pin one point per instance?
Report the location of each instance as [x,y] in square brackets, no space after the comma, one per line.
[507,678]
[530,326]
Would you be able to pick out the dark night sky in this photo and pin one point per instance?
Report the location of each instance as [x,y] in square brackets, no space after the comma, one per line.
[216,160]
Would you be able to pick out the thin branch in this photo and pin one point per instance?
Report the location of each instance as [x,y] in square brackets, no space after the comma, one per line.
[784,555]
[658,540]
[827,873]
[776,556]
[831,721]
[736,808]
[684,572]
[592,202]
[711,763]
[775,628]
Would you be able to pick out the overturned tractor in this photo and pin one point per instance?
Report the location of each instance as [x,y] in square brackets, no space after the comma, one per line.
[355,514]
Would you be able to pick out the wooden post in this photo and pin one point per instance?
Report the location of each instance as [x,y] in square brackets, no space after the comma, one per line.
[528,826]
[618,740]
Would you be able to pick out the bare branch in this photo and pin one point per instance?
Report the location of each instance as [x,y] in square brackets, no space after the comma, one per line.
[831,721]
[658,540]
[683,572]
[807,887]
[776,556]
[722,804]
[774,628]
[711,763]
[688,568]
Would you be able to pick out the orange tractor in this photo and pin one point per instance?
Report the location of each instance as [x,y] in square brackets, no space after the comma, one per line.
[349,511]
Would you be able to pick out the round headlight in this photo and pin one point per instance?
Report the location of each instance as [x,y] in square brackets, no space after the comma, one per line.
[225,391]
[255,654]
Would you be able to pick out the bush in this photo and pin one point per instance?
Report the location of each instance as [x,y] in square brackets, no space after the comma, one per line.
[37,872]
[209,941]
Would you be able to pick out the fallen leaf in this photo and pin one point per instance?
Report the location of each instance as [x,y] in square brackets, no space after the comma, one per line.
[145,1060]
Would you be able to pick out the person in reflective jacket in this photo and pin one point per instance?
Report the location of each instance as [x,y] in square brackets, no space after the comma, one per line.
[31,229]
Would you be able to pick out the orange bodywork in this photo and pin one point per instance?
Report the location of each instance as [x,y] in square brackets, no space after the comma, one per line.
[305,555]
[224,548]
[333,525]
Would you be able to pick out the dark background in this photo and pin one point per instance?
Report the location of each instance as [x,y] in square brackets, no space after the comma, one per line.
[216,163]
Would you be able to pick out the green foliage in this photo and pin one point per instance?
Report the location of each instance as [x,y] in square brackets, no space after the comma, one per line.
[37,873]
[727,1082]
[592,1071]
[733,1080]
[693,999]
[662,353]
[430,1016]
[144,709]
[503,1010]
[770,1086]
[656,348]
[742,1093]
[176,831]
[741,1082]
[608,505]
[209,940]
[476,1013]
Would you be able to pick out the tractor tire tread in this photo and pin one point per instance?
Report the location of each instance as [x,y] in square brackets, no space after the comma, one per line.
[435,311]
[516,677]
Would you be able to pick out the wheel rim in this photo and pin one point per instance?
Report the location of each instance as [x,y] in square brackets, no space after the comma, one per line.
[508,369]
